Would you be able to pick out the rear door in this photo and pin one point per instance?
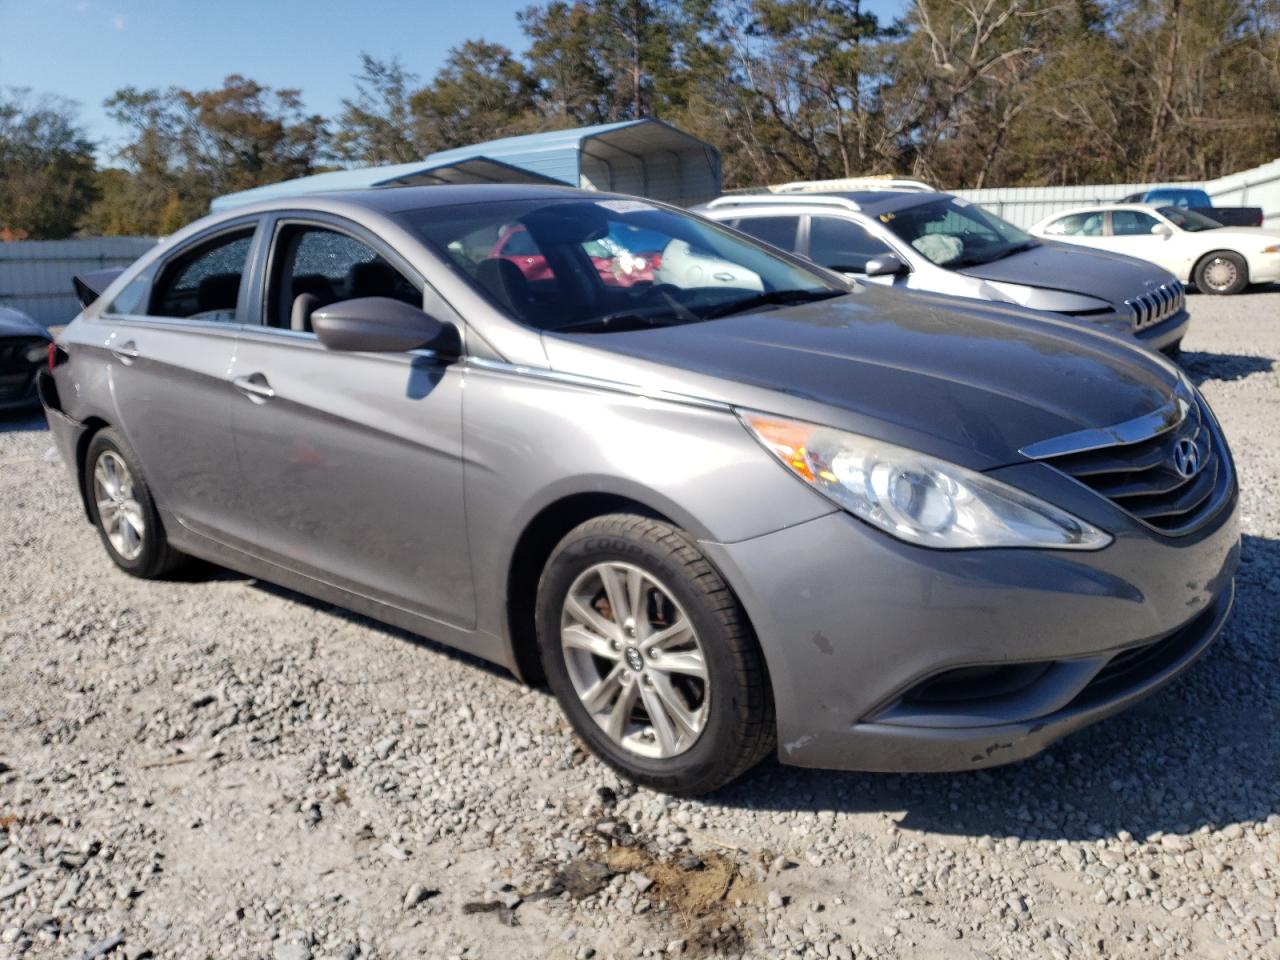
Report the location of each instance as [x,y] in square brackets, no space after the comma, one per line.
[170,344]
[352,461]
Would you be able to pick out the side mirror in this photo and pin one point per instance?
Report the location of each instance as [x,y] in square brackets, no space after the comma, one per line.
[383,325]
[1162,230]
[885,265]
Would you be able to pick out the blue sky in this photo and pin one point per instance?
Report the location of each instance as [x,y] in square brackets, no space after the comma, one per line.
[86,49]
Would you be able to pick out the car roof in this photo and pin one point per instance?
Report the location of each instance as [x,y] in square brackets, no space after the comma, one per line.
[390,199]
[867,201]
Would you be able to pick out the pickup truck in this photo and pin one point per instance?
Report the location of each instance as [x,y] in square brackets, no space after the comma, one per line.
[1198,200]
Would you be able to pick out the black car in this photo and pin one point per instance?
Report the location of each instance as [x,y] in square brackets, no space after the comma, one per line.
[24,347]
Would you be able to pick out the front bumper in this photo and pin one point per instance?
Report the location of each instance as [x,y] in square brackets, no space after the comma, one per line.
[17,389]
[1264,268]
[853,623]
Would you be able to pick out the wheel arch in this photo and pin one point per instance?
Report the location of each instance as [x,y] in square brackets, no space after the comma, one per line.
[1200,261]
[92,427]
[529,557]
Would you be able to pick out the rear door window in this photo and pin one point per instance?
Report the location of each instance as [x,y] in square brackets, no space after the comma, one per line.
[203,283]
[1077,225]
[779,231]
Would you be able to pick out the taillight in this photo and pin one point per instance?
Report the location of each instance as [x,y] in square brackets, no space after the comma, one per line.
[56,356]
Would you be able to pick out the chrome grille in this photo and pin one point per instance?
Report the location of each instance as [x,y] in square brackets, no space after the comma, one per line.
[1171,478]
[1157,305]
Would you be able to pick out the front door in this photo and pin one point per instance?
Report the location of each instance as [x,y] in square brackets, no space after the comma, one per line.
[352,461]
[170,340]
[1131,235]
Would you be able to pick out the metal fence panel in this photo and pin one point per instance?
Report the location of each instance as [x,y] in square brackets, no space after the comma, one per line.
[35,275]
[1024,206]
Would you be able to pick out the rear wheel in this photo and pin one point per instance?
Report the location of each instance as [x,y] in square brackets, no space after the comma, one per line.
[651,656]
[122,509]
[1222,272]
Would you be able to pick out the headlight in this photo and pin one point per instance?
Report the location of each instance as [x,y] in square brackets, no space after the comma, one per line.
[915,497]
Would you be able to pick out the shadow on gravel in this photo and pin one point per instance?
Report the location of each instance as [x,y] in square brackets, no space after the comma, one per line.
[22,421]
[1222,366]
[431,647]
[1201,752]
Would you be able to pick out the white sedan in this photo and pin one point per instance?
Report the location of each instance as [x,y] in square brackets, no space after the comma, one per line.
[1197,250]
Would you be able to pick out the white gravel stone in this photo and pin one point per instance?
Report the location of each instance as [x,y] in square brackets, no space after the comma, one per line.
[208,760]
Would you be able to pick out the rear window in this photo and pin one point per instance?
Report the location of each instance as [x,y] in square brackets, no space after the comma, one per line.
[778,231]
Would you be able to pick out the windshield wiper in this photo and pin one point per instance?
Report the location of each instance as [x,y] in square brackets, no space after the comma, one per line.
[978,261]
[771,298]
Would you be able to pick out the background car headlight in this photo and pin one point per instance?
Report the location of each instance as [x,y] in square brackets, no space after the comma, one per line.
[1274,248]
[915,497]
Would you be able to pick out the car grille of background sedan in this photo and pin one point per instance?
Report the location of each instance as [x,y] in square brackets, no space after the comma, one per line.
[1158,305]
[1144,478]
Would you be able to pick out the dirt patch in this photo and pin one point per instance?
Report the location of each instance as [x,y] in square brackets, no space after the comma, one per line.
[692,886]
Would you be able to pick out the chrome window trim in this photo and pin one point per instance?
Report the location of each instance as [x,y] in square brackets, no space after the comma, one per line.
[1166,418]
[179,324]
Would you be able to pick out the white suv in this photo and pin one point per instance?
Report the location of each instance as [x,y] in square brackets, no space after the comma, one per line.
[936,242]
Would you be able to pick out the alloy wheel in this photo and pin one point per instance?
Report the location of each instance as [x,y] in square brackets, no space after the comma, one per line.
[119,512]
[634,660]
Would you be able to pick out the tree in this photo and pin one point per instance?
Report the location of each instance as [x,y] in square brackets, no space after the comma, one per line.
[482,92]
[46,166]
[188,147]
[376,126]
[564,61]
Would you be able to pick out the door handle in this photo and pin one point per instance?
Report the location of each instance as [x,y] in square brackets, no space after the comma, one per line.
[126,352]
[255,387]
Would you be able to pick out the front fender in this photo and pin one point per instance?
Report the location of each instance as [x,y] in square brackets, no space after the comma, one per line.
[530,441]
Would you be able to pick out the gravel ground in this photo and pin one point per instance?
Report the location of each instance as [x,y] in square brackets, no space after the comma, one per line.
[215,767]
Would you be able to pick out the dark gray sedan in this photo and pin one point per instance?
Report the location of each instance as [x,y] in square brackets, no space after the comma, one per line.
[740,504]
[24,348]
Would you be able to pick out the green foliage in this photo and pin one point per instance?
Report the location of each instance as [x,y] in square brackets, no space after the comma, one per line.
[46,167]
[959,92]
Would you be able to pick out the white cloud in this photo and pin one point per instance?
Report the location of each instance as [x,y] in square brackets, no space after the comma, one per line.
[117,21]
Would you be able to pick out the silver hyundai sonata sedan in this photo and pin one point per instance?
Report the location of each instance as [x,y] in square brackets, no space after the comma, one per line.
[717,510]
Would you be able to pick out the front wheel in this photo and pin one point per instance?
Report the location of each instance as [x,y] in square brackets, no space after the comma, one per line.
[651,656]
[1222,273]
[122,509]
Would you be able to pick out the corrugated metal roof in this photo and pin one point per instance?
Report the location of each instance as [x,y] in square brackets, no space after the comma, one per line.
[473,169]
[646,157]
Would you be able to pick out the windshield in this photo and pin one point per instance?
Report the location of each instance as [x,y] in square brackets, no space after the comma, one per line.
[592,266]
[955,233]
[1188,220]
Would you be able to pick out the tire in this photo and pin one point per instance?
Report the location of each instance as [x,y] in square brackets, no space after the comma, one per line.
[146,553]
[720,724]
[1221,273]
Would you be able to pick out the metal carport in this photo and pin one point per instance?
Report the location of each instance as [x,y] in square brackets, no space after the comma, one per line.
[647,158]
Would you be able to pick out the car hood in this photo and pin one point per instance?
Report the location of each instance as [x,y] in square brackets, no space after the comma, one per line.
[15,323]
[1240,234]
[971,382]
[1062,266]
